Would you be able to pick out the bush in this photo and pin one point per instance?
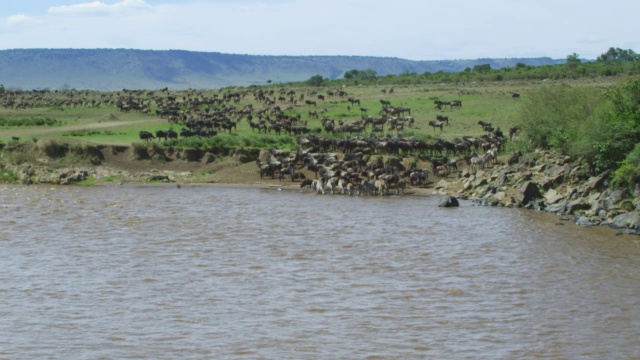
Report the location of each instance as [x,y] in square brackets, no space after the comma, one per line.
[6,176]
[628,174]
[555,117]
[619,129]
[29,122]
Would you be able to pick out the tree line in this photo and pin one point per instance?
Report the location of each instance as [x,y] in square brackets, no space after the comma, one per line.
[614,62]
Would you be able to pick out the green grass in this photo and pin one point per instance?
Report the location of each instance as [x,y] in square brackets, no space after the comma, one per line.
[487,101]
[6,176]
[110,178]
[90,181]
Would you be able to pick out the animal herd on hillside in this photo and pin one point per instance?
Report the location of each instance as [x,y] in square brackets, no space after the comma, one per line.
[270,111]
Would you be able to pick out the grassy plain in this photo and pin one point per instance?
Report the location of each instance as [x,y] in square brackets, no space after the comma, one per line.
[105,124]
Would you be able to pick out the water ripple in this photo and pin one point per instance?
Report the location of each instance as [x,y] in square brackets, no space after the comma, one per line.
[157,272]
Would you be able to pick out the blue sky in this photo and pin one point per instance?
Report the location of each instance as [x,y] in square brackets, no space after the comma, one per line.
[409,29]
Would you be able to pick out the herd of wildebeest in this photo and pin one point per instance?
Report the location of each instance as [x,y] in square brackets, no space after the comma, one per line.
[207,113]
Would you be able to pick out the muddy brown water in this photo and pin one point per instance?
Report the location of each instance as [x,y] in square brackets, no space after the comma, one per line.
[222,272]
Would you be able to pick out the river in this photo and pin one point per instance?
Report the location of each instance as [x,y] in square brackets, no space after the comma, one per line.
[161,272]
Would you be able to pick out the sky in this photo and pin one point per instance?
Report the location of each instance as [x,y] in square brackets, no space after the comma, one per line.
[407,29]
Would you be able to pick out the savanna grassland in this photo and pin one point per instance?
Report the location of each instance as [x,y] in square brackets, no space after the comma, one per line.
[536,100]
[101,122]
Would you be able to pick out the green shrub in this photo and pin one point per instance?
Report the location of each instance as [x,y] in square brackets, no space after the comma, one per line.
[556,117]
[90,181]
[29,122]
[7,176]
[628,173]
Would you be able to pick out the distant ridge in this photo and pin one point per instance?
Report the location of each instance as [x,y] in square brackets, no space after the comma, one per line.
[115,69]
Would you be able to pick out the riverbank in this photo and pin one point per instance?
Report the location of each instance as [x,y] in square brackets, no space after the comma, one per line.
[540,181]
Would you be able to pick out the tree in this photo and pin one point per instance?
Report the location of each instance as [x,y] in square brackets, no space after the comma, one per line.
[573,60]
[482,68]
[351,74]
[618,55]
[621,125]
[315,80]
[361,75]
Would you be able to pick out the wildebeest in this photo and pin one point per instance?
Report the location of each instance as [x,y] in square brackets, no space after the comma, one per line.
[381,187]
[310,102]
[145,135]
[172,134]
[436,124]
[354,101]
[515,96]
[475,161]
[400,186]
[512,132]
[306,184]
[318,186]
[486,126]
[287,171]
[161,134]
[266,170]
[418,177]
[442,118]
[367,187]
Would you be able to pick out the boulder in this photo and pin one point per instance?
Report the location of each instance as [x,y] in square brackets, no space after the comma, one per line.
[629,220]
[503,178]
[448,201]
[578,204]
[557,170]
[556,208]
[595,182]
[552,196]
[479,182]
[615,195]
[584,221]
[528,192]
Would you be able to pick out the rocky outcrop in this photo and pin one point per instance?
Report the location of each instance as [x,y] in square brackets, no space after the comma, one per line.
[528,192]
[555,184]
[31,174]
[448,201]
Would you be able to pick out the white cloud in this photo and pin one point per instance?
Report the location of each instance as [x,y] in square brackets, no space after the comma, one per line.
[410,29]
[99,8]
[20,19]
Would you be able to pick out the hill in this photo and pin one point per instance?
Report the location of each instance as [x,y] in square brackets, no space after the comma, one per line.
[115,69]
